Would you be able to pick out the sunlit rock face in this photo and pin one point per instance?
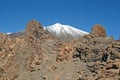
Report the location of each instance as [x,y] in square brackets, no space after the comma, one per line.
[98,31]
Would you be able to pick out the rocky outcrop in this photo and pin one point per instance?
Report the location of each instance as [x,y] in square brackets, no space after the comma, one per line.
[65,51]
[34,28]
[38,55]
[26,53]
[98,31]
[101,55]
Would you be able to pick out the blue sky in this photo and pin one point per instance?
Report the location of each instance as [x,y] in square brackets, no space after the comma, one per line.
[82,14]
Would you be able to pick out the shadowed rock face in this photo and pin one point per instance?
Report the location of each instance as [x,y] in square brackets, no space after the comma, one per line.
[39,56]
[98,31]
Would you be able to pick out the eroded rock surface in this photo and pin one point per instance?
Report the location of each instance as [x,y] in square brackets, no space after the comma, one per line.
[37,55]
[98,31]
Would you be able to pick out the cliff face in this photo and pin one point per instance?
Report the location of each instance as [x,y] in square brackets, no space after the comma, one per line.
[38,55]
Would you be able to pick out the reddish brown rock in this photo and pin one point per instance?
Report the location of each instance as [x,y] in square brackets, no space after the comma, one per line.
[34,28]
[65,51]
[33,56]
[98,31]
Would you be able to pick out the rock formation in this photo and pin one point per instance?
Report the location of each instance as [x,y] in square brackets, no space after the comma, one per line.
[34,28]
[37,55]
[98,31]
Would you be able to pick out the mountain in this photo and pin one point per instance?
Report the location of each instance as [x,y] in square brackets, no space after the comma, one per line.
[16,34]
[65,32]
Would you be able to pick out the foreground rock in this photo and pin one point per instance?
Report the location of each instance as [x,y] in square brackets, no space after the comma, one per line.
[28,53]
[37,55]
[100,54]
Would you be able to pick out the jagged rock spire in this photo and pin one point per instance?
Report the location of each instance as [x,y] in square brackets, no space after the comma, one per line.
[98,31]
[34,28]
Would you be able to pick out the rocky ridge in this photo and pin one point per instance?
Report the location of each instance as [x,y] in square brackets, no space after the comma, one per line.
[38,55]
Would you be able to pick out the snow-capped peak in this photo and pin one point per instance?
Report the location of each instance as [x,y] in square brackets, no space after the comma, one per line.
[65,31]
[9,33]
[58,28]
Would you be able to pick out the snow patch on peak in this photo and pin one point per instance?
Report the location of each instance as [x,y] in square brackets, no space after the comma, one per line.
[8,33]
[57,24]
[58,28]
[65,31]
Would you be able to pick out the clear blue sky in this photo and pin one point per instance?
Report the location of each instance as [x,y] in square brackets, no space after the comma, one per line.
[82,14]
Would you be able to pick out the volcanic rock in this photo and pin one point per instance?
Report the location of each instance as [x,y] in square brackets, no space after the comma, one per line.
[37,55]
[34,28]
[98,31]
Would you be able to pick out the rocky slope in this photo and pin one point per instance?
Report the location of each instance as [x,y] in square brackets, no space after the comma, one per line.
[38,55]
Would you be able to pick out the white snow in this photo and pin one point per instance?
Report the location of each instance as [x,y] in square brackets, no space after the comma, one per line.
[58,28]
[8,33]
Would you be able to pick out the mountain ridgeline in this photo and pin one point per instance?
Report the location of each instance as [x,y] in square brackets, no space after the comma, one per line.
[59,52]
[62,32]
